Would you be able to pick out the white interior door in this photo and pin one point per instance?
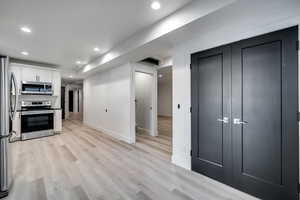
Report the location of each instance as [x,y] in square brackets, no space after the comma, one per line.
[143,94]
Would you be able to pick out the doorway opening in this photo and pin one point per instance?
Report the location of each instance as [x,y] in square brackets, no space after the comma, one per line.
[75,103]
[164,107]
[72,100]
[153,111]
[71,103]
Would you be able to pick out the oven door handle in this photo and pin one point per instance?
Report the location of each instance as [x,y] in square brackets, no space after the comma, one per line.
[37,112]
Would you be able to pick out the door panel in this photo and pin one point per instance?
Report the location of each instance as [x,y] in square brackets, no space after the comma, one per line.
[255,83]
[261,68]
[211,76]
[210,87]
[143,95]
[261,108]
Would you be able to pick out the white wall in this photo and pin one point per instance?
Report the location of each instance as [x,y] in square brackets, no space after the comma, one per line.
[164,102]
[240,21]
[109,90]
[143,100]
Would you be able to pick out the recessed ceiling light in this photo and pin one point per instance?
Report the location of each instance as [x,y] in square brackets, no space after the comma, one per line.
[160,75]
[155,5]
[78,62]
[70,76]
[25,53]
[96,49]
[25,29]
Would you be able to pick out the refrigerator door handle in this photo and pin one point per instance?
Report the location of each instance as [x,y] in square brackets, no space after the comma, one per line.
[14,82]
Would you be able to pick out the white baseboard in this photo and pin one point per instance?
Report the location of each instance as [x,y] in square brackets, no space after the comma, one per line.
[166,116]
[111,133]
[144,129]
[148,131]
[182,160]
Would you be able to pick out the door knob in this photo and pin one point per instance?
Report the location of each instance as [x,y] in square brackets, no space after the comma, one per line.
[238,121]
[225,120]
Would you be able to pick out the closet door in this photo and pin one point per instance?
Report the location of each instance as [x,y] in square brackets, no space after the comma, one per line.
[264,112]
[211,135]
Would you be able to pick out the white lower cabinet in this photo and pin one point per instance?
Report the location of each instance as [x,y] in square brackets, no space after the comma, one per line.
[57,121]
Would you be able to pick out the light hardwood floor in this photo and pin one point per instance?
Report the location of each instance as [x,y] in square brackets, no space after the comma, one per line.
[164,126]
[76,116]
[160,145]
[84,164]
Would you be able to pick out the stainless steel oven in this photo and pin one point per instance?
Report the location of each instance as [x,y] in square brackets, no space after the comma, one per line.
[36,88]
[37,119]
[35,124]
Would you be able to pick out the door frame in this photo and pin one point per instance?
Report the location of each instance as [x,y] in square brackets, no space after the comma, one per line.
[151,70]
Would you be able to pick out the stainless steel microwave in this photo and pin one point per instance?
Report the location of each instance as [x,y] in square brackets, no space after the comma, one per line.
[36,88]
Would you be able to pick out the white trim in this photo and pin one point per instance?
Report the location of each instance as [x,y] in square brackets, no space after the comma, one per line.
[166,116]
[167,62]
[132,104]
[181,160]
[116,135]
[34,66]
[137,67]
[145,130]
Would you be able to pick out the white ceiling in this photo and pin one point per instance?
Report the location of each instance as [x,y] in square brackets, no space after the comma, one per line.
[149,42]
[64,31]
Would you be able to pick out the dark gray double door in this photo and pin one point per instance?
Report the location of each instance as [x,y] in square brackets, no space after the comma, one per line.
[244,119]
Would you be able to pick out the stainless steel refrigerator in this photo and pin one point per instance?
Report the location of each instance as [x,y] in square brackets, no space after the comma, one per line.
[8,107]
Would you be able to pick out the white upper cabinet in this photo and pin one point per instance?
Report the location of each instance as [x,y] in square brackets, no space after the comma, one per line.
[44,75]
[28,74]
[33,74]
